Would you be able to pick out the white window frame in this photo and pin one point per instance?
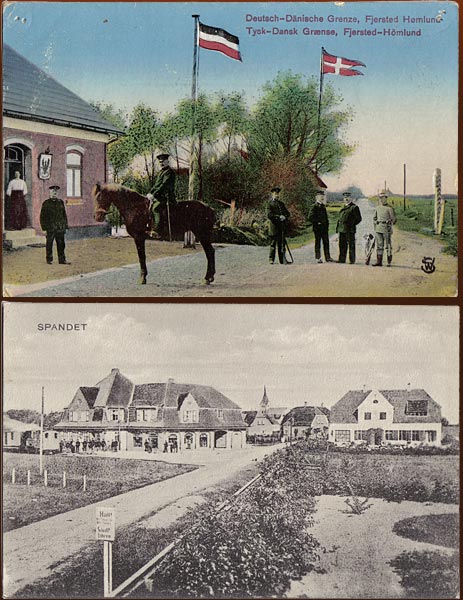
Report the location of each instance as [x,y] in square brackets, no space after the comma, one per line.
[342,435]
[74,186]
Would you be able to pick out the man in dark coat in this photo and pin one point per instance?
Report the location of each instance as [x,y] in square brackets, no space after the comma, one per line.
[318,218]
[277,214]
[349,218]
[54,222]
[162,194]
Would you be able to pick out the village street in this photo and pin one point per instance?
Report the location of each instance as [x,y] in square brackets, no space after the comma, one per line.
[244,271]
[31,552]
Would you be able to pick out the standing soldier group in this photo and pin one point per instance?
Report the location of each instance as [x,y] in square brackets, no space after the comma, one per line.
[346,227]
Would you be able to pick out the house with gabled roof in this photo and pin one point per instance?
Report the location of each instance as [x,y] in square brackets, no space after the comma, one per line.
[52,137]
[396,417]
[264,422]
[305,422]
[189,415]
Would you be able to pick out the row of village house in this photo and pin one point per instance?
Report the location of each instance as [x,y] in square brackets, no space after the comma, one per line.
[198,416]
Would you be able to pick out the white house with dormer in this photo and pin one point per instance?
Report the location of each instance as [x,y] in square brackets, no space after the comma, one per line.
[396,417]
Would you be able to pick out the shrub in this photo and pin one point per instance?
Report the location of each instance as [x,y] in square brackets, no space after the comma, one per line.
[451,244]
[258,546]
[428,574]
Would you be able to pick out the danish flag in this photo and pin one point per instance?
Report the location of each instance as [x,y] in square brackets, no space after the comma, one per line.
[338,65]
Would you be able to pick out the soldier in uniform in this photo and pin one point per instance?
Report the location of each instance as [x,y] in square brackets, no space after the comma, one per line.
[162,195]
[277,214]
[383,221]
[54,222]
[349,218]
[318,218]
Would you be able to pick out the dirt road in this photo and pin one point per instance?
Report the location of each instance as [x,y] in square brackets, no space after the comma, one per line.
[31,552]
[244,271]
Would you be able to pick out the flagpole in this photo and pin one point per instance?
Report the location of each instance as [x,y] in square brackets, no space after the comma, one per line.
[41,432]
[194,97]
[319,106]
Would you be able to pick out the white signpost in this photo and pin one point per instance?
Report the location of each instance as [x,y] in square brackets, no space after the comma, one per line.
[106,530]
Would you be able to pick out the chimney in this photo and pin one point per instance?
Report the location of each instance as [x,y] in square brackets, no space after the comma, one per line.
[114,370]
[409,387]
[364,387]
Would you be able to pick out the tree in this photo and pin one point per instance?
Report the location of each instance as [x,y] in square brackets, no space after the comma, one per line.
[284,144]
[205,118]
[233,116]
[144,136]
[115,116]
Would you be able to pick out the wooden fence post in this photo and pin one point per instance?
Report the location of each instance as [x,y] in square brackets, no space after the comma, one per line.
[64,479]
[13,475]
[28,476]
[85,483]
[45,478]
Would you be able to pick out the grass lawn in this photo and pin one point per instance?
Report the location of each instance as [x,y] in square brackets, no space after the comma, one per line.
[106,477]
[441,530]
[80,576]
[419,214]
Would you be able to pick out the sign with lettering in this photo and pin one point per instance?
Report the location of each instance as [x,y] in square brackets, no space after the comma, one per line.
[105,523]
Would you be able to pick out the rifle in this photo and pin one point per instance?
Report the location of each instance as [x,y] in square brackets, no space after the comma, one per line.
[289,251]
[369,247]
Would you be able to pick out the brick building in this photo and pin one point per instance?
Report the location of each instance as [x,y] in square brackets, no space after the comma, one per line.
[52,137]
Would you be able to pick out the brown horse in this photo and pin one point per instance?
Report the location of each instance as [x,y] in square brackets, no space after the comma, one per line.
[134,209]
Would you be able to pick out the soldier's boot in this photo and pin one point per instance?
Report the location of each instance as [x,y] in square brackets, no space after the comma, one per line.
[153,225]
[379,260]
[389,260]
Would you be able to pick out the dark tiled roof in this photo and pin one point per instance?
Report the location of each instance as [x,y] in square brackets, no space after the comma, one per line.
[114,390]
[302,415]
[120,392]
[90,394]
[344,410]
[155,394]
[29,93]
[249,416]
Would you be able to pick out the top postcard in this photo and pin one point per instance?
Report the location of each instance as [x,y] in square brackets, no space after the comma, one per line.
[189,149]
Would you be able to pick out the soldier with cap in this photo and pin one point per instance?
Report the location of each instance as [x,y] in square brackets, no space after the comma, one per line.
[318,218]
[277,214]
[349,218]
[162,193]
[54,222]
[383,221]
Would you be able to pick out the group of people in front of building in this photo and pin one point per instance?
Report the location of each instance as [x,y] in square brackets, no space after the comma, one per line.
[86,446]
[348,219]
[53,219]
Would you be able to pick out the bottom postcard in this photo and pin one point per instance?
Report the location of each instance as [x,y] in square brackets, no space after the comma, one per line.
[230,451]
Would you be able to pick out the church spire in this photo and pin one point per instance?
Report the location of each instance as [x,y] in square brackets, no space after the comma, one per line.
[264,402]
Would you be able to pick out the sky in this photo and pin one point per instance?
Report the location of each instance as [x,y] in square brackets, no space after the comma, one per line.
[301,353]
[405,105]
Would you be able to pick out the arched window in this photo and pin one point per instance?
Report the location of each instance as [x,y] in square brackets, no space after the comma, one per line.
[74,174]
[203,440]
[188,440]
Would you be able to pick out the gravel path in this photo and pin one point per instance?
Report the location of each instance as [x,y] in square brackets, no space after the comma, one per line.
[244,271]
[358,567]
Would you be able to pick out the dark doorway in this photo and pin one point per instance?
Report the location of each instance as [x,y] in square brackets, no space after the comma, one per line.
[220,439]
[17,157]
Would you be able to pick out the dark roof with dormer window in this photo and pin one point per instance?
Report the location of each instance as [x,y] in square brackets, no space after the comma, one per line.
[406,404]
[29,93]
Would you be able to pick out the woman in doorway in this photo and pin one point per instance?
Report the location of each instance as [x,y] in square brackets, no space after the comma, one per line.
[15,205]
